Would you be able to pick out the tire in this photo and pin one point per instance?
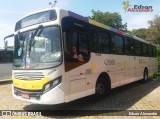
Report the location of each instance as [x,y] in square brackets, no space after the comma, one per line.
[145,76]
[101,89]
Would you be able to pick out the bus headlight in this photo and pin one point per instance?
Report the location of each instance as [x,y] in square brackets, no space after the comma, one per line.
[47,87]
[52,84]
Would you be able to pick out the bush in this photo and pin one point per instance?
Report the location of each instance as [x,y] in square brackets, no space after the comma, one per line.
[157,74]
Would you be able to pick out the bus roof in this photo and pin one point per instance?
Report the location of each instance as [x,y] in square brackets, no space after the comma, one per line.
[82,18]
[104,26]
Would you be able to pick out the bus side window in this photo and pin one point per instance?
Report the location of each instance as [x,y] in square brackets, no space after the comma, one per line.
[117,44]
[154,51]
[79,40]
[83,45]
[74,39]
[144,49]
[150,50]
[138,48]
[6,56]
[101,42]
[129,46]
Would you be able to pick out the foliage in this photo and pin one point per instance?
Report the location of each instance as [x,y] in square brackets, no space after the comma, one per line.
[152,33]
[154,30]
[157,74]
[110,19]
[141,33]
[11,47]
[40,44]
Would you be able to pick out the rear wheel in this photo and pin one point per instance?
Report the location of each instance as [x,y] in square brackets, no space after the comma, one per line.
[145,75]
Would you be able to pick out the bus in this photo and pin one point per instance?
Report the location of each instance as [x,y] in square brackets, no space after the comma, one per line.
[6,60]
[45,72]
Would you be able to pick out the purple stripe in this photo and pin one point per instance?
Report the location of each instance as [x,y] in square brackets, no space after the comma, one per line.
[114,30]
[78,17]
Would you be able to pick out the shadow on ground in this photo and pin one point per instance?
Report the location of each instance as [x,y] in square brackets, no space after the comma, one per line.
[121,99]
[5,82]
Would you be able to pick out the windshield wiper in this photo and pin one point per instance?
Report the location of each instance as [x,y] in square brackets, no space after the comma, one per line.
[36,33]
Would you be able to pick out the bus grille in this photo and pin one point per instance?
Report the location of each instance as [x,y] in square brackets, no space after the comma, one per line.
[28,75]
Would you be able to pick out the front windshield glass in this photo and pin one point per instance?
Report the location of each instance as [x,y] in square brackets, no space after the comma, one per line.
[42,51]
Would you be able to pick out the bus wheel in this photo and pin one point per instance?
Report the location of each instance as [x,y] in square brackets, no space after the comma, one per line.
[100,91]
[145,75]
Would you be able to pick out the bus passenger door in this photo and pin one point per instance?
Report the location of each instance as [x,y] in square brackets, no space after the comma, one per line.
[76,44]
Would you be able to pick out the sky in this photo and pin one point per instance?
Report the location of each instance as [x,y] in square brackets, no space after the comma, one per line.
[12,10]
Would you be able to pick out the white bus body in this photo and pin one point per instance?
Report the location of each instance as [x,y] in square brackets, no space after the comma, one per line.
[44,81]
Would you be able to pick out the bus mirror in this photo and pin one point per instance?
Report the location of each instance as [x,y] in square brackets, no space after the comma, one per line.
[6,45]
[6,42]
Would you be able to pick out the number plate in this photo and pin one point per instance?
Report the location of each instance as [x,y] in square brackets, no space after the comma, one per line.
[25,96]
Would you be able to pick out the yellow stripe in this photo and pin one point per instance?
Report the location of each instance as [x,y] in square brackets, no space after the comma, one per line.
[98,24]
[93,67]
[30,85]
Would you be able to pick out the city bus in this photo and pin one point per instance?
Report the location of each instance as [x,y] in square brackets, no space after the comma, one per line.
[6,60]
[45,71]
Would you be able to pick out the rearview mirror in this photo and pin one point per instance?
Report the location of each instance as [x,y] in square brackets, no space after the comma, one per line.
[6,45]
[6,42]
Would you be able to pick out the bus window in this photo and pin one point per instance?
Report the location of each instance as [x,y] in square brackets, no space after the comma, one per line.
[77,44]
[83,45]
[138,51]
[106,43]
[101,42]
[117,44]
[144,49]
[129,47]
[97,42]
[150,50]
[6,56]
[74,39]
[154,51]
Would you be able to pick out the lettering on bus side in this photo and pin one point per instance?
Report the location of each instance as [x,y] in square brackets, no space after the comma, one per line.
[109,62]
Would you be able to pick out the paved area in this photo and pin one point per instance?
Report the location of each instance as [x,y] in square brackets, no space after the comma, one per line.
[135,96]
[5,71]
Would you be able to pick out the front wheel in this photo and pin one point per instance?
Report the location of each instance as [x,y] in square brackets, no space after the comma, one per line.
[100,91]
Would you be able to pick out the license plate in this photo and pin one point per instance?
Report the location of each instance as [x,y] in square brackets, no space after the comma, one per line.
[25,96]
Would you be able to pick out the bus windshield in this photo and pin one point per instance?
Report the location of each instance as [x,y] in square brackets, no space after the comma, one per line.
[39,52]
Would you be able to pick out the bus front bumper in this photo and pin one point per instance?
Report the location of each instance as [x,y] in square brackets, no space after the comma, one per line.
[53,96]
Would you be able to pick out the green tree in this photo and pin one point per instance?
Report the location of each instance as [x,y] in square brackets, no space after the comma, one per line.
[154,35]
[110,19]
[154,30]
[12,47]
[141,33]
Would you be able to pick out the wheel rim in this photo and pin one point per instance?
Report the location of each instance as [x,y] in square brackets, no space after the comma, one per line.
[100,89]
[145,76]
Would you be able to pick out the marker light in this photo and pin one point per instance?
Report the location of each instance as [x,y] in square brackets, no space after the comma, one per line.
[52,84]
